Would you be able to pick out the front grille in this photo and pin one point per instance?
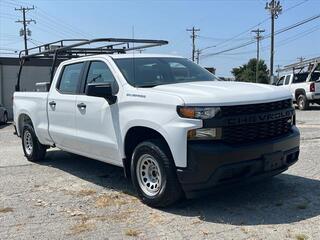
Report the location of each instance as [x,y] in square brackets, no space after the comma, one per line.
[227,111]
[256,131]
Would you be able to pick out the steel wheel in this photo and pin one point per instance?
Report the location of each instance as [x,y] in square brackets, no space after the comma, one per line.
[301,103]
[28,142]
[149,175]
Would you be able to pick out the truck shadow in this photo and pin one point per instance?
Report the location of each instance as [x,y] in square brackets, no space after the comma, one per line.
[2,125]
[314,107]
[281,200]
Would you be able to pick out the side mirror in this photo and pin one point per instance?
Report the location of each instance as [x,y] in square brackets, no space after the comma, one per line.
[103,90]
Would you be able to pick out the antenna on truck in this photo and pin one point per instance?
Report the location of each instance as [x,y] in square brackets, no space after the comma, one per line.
[73,48]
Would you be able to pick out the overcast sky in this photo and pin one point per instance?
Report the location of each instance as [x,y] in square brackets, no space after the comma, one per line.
[219,21]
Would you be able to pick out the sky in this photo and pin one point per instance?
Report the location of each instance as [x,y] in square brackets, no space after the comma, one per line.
[223,24]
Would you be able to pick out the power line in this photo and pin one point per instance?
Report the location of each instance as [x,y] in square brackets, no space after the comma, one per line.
[25,22]
[193,31]
[222,43]
[267,36]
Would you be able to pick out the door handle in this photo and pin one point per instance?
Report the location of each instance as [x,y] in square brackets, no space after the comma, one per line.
[52,103]
[81,105]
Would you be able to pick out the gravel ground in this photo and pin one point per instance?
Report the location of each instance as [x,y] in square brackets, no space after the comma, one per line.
[71,197]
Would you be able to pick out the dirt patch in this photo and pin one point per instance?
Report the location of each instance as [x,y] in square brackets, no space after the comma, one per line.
[6,210]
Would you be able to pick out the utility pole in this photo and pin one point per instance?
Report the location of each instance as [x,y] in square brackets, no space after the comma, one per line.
[258,37]
[198,52]
[301,59]
[25,32]
[275,9]
[193,36]
[278,71]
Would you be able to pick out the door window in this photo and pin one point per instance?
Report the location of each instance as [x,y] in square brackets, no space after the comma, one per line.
[70,78]
[99,72]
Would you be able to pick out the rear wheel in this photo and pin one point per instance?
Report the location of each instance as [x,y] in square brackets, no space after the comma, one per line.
[303,102]
[32,148]
[153,174]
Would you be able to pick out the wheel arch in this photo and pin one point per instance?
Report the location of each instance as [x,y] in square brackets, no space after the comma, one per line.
[298,92]
[133,137]
[23,119]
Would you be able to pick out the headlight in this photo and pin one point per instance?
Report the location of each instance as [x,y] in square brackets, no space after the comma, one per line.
[204,134]
[198,112]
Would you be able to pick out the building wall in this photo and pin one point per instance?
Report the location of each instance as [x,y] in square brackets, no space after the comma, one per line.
[29,77]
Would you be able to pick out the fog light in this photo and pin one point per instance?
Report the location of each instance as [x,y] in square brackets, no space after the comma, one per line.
[204,134]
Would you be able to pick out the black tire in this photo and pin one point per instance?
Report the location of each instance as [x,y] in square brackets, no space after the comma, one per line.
[35,153]
[170,190]
[302,102]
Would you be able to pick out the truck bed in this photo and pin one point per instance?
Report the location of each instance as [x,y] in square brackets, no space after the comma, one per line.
[35,105]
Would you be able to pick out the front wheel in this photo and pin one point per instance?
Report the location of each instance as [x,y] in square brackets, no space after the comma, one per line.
[32,148]
[154,174]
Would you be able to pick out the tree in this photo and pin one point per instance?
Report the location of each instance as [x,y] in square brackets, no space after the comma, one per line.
[247,72]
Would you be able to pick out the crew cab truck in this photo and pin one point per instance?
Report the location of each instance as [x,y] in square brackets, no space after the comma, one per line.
[305,87]
[174,127]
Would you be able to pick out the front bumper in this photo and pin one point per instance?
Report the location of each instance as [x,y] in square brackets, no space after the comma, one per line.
[212,164]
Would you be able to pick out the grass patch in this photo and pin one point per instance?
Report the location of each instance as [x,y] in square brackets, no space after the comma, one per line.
[106,200]
[6,210]
[86,192]
[301,237]
[132,232]
[81,227]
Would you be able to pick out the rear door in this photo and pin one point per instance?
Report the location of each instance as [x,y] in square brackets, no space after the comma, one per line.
[96,120]
[62,107]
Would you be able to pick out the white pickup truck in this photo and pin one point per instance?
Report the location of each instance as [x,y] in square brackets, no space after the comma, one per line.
[305,87]
[174,127]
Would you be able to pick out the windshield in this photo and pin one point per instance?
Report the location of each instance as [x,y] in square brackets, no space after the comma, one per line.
[150,72]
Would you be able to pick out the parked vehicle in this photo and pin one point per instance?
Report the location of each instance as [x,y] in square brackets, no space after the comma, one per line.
[174,127]
[305,89]
[3,114]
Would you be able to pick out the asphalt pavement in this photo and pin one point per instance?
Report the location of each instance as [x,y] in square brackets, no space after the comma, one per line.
[71,197]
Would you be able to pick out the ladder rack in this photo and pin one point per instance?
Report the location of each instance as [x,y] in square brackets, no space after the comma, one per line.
[73,48]
[309,64]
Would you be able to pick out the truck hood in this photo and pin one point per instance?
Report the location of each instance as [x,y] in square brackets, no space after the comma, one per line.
[224,93]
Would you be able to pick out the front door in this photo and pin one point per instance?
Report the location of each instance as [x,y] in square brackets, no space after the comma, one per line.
[96,120]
